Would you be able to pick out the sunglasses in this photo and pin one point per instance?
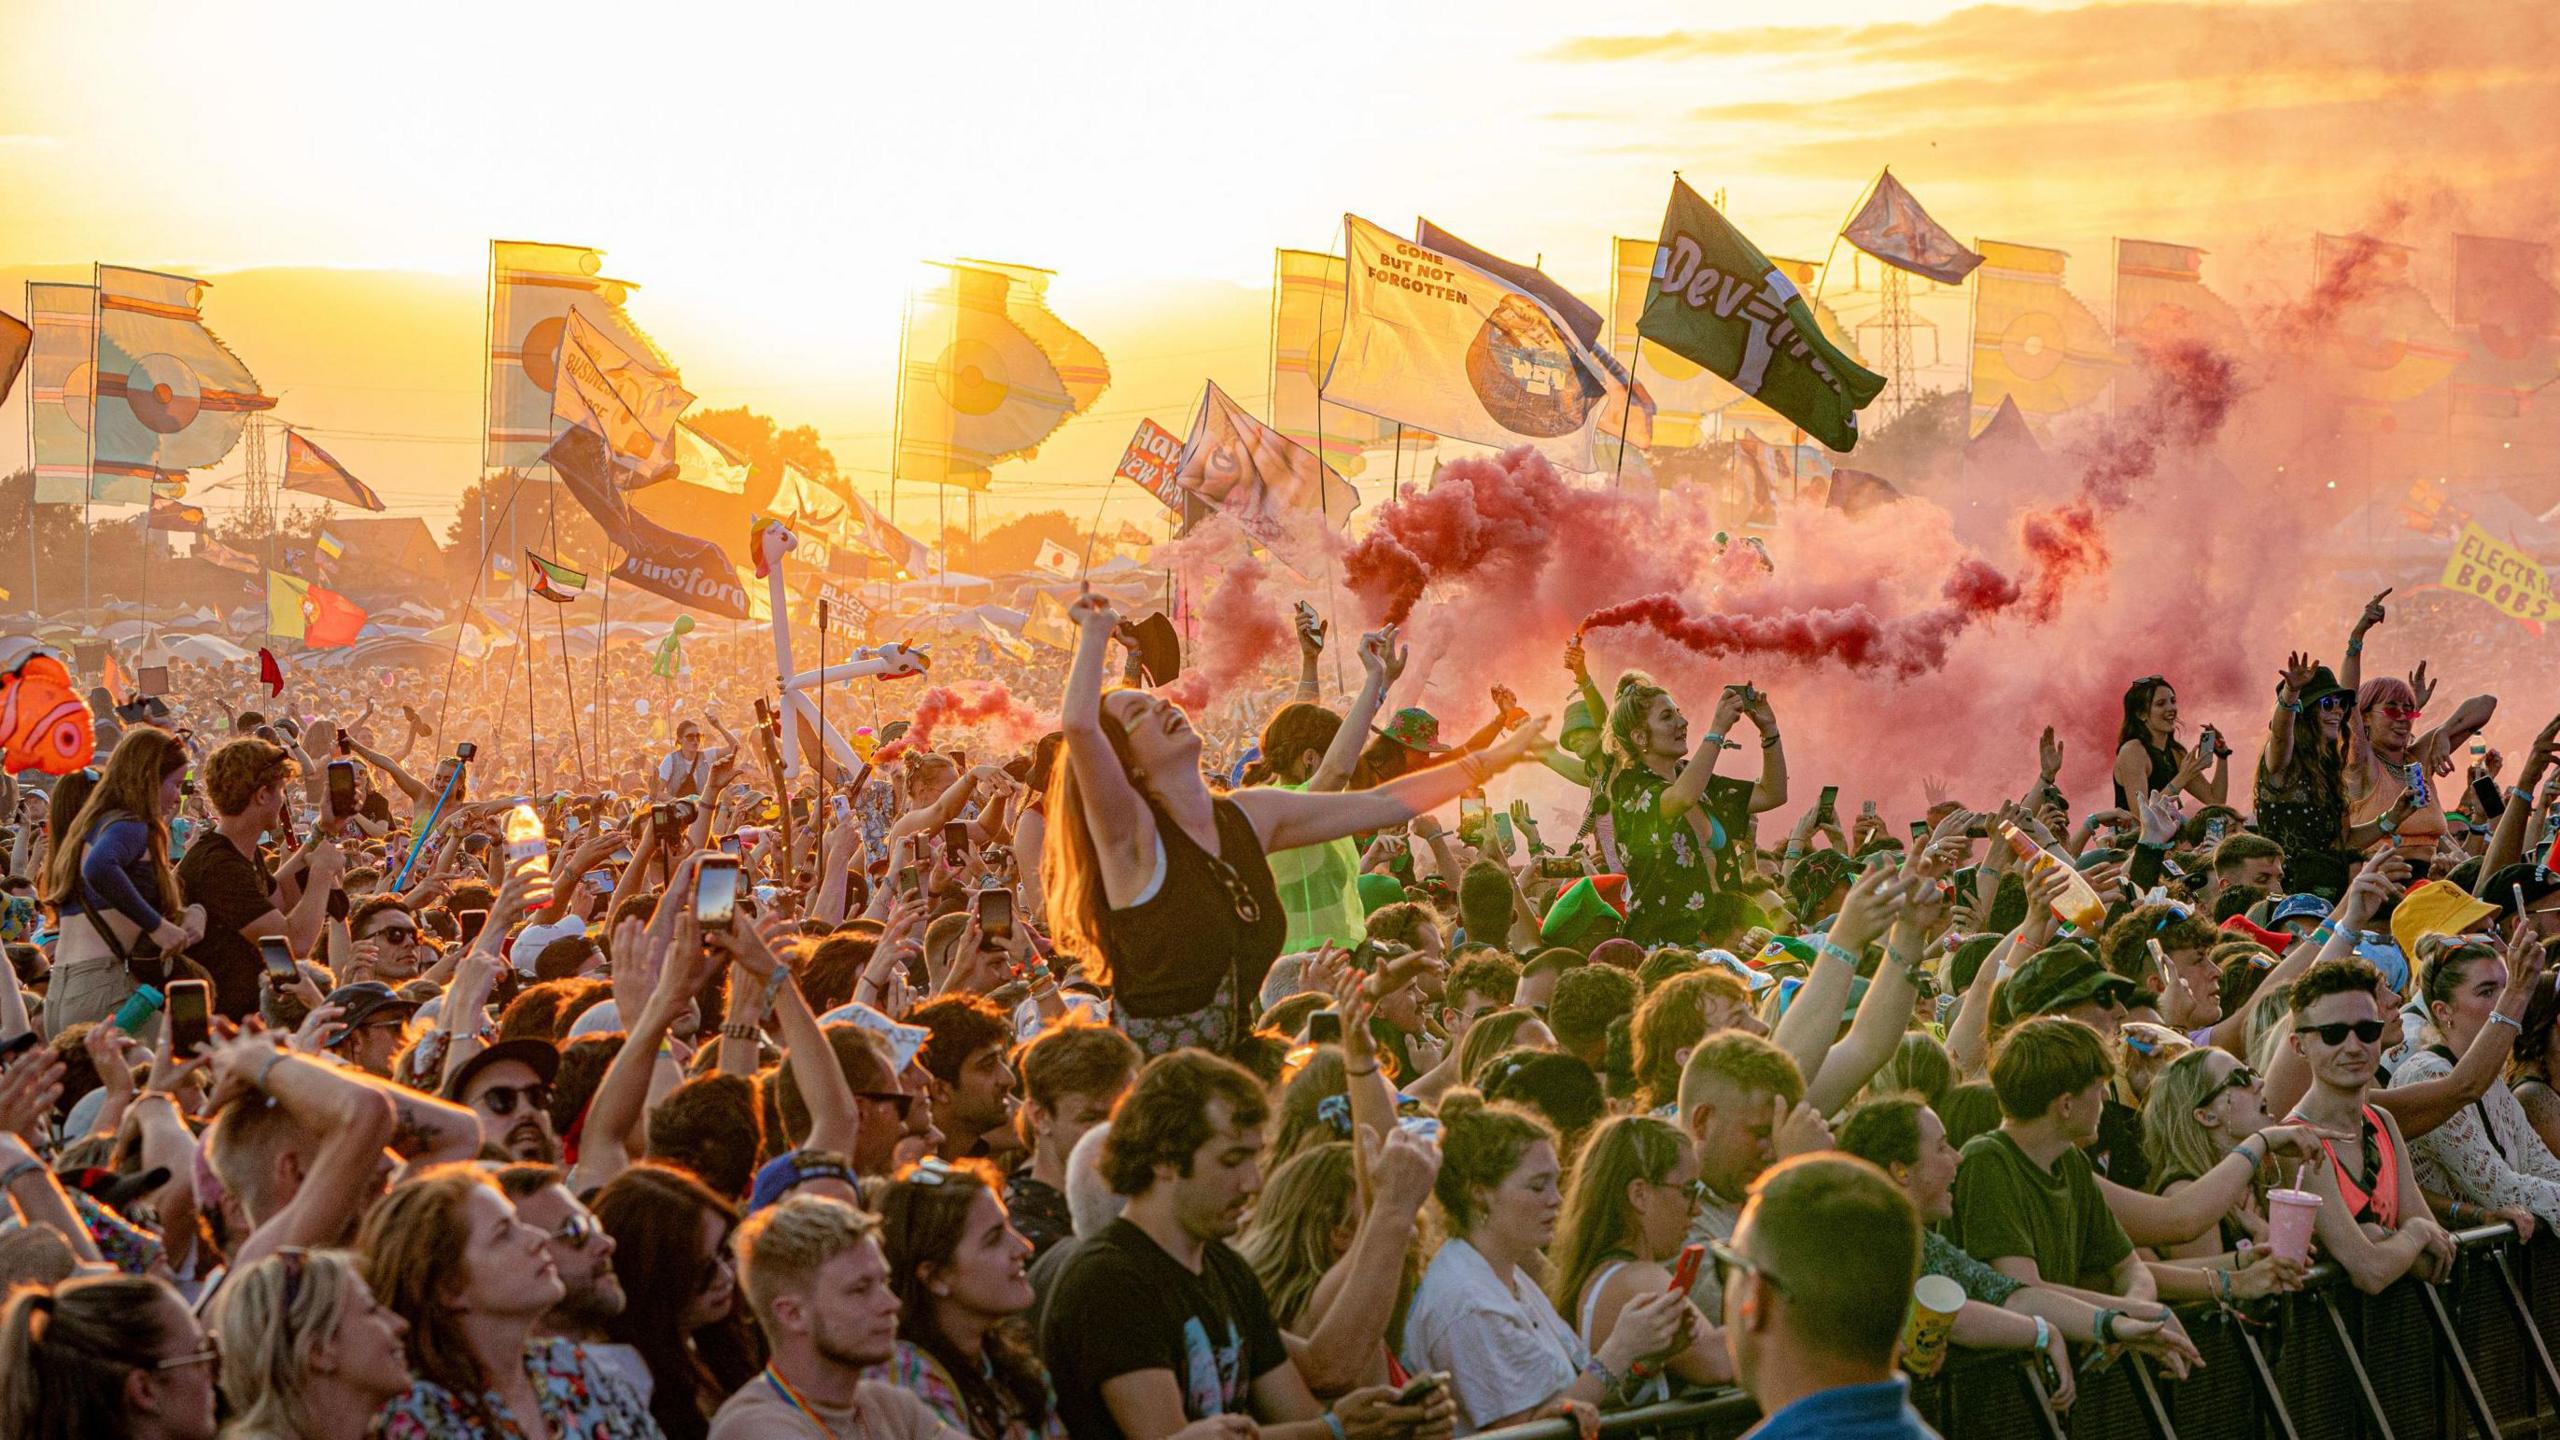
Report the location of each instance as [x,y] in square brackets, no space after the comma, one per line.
[2368,1031]
[2401,712]
[395,935]
[2332,702]
[899,1100]
[1728,1260]
[501,1099]
[578,1231]
[1695,1191]
[211,1354]
[2243,1078]
[932,1170]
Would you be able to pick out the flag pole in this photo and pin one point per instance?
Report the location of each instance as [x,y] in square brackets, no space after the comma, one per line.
[89,466]
[35,581]
[1626,416]
[569,682]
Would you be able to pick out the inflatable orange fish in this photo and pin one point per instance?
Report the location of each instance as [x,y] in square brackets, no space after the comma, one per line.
[44,724]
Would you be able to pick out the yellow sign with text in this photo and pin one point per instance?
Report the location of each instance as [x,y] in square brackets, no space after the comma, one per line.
[2482,566]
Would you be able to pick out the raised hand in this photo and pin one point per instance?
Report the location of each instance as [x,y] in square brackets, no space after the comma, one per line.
[2296,675]
[2373,613]
[2048,755]
[1381,656]
[2421,685]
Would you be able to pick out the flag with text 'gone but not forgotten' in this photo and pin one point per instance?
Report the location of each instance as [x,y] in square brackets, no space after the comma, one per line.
[1436,342]
[1716,300]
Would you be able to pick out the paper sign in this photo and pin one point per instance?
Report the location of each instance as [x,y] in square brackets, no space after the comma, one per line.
[2483,567]
[1150,460]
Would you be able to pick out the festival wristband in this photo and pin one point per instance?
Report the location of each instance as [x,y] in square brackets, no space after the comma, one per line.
[1822,945]
[1714,740]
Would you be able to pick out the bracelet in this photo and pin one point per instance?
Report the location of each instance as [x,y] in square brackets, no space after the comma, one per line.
[2356,646]
[2044,1334]
[2453,1211]
[2517,794]
[1713,740]
[2256,1162]
[738,1032]
[2106,1328]
[2497,1018]
[1823,945]
[1600,1367]
[1361,1074]
[1333,1423]
[18,1172]
[267,1069]
[1769,740]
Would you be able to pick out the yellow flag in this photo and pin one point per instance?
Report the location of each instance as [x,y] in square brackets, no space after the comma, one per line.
[2388,344]
[284,605]
[976,388]
[2499,575]
[1049,623]
[1683,393]
[2033,341]
[617,394]
[1306,327]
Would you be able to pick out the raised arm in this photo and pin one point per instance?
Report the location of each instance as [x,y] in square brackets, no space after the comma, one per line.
[2506,844]
[1124,830]
[1812,1020]
[1771,791]
[1287,819]
[1381,661]
[354,1121]
[1311,628]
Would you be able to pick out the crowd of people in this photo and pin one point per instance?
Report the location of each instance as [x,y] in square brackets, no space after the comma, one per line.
[375,1062]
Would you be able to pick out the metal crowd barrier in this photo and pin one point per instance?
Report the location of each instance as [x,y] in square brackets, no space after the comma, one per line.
[2469,1357]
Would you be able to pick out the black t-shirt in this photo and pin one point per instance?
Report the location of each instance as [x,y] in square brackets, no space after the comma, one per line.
[1038,1210]
[2118,1153]
[234,889]
[1123,1306]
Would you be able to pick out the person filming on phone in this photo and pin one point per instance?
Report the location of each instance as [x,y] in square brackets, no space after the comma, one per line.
[248,781]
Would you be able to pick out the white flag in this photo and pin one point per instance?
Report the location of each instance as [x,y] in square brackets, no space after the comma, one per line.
[1056,559]
[1434,342]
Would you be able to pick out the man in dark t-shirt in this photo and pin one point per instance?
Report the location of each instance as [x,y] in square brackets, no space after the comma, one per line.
[1155,1324]
[246,780]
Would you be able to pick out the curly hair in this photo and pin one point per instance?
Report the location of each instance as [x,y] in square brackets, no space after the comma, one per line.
[1480,1145]
[234,774]
[1164,1119]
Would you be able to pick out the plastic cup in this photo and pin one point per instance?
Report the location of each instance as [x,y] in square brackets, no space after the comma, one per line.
[1935,1299]
[2289,1217]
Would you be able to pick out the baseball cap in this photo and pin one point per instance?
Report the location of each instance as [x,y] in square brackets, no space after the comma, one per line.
[2299,907]
[785,1173]
[2538,883]
[2059,977]
[365,999]
[2378,951]
[2438,907]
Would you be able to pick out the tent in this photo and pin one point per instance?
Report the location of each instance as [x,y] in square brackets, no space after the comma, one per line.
[205,650]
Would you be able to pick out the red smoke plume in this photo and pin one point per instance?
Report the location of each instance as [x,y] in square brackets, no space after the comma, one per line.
[1241,629]
[984,705]
[1853,636]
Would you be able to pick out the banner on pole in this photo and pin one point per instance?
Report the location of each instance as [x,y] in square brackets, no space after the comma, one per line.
[2499,575]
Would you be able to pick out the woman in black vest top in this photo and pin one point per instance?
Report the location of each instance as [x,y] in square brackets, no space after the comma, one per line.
[2149,756]
[1160,889]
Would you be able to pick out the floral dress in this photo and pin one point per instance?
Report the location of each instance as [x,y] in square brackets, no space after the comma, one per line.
[916,1373]
[1670,870]
[581,1399]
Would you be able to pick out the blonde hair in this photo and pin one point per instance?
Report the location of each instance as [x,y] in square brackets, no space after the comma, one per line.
[412,1241]
[1290,1245]
[1596,1217]
[268,1338]
[781,1246]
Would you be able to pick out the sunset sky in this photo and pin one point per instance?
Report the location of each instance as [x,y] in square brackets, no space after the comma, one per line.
[771,175]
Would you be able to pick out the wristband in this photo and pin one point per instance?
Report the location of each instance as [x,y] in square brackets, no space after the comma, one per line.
[19,1171]
[2044,1334]
[1769,739]
[267,1069]
[1713,740]
[1600,1367]
[2355,646]
[2517,794]
[1333,1423]
[1823,945]
[738,1032]
[2106,1327]
[1362,1074]
[2497,1018]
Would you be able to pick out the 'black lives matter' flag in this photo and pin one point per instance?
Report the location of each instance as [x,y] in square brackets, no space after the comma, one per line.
[685,568]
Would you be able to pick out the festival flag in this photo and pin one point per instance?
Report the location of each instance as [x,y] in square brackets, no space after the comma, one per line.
[1153,456]
[684,568]
[2389,345]
[168,396]
[1892,227]
[1745,412]
[1307,311]
[1079,362]
[2033,341]
[1433,341]
[2503,295]
[1855,492]
[2499,574]
[976,388]
[1055,559]
[321,619]
[214,552]
[1275,490]
[1625,406]
[621,396]
[310,470]
[173,516]
[1773,474]
[60,360]
[270,672]
[331,547]
[554,581]
[2161,299]
[1716,300]
[843,520]
[532,287]
[16,338]
[1013,647]
[113,675]
[2428,508]
[1048,623]
[699,460]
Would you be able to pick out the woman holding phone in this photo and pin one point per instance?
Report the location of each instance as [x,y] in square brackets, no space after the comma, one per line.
[1165,891]
[110,881]
[1622,1237]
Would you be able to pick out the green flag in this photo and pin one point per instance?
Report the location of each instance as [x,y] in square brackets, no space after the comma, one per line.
[1716,300]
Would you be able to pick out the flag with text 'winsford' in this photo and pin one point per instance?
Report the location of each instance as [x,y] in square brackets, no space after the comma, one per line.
[1717,301]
